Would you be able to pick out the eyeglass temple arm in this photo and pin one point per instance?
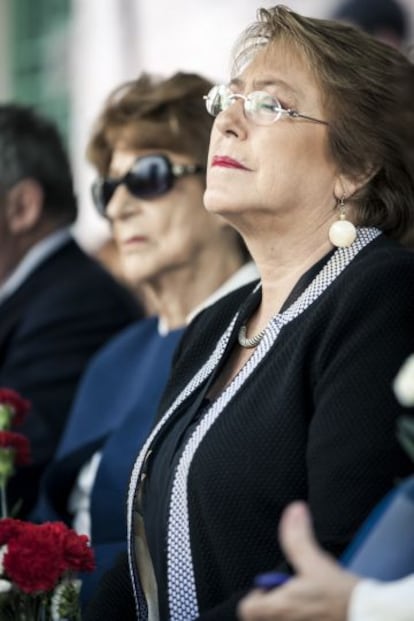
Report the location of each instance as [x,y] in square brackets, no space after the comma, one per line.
[179,170]
[294,114]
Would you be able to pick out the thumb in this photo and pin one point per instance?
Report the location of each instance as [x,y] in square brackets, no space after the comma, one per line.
[298,541]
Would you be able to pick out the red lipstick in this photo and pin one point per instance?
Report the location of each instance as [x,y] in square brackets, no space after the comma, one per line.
[227,162]
[136,239]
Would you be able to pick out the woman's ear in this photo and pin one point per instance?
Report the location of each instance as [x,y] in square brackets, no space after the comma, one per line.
[24,206]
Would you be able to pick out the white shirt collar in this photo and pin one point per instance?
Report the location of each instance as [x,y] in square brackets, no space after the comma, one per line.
[36,255]
[247,273]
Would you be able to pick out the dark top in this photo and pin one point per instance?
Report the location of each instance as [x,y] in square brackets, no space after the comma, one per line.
[313,419]
[50,327]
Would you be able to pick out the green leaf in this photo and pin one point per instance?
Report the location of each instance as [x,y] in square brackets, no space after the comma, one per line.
[405,434]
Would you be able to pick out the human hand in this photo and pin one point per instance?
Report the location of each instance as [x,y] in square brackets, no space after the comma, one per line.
[320,591]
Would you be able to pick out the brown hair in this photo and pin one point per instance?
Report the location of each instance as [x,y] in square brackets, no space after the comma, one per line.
[152,112]
[368,94]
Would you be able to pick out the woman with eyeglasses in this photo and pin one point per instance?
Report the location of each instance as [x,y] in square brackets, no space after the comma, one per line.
[282,390]
[149,147]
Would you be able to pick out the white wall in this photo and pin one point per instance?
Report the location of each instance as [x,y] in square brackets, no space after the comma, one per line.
[104,54]
[199,34]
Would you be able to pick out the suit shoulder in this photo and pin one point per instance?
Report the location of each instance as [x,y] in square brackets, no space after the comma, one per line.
[382,264]
[72,277]
[385,253]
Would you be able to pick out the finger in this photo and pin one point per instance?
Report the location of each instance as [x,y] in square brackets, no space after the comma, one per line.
[298,541]
[250,607]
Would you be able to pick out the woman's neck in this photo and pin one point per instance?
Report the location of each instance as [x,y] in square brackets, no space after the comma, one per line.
[281,265]
[173,295]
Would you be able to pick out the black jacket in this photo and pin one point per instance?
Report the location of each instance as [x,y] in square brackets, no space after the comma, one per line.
[315,420]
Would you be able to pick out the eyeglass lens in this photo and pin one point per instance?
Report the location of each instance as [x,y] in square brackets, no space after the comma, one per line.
[262,108]
[149,176]
[259,105]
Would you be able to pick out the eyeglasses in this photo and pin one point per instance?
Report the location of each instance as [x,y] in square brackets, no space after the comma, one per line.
[150,176]
[259,106]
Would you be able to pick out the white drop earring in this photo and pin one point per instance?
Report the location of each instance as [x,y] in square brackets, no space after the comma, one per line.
[342,233]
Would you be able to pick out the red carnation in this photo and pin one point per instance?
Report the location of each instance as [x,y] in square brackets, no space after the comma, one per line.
[39,554]
[9,529]
[77,553]
[17,443]
[74,549]
[35,558]
[58,530]
[33,561]
[18,405]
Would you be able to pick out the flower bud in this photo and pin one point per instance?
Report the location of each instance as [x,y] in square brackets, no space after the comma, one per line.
[404,383]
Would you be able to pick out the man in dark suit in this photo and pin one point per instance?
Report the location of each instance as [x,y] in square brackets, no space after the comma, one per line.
[57,305]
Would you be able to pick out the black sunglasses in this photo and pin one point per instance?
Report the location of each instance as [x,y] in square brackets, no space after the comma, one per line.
[149,176]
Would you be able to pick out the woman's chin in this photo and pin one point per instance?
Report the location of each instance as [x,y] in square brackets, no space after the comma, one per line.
[219,203]
[136,271]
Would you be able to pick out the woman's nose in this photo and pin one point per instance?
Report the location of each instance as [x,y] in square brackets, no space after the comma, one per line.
[232,120]
[122,204]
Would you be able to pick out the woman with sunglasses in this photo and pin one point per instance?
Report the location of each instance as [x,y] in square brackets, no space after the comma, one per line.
[282,391]
[149,147]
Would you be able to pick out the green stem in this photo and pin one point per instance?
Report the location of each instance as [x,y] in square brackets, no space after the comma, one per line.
[3,498]
[42,611]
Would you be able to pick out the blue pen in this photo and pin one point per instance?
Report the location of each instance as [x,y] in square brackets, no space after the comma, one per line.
[270,580]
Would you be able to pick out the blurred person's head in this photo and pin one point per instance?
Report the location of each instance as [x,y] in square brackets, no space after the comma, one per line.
[36,189]
[346,128]
[384,19]
[149,147]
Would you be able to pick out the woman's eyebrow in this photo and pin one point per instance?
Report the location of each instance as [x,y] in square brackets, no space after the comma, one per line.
[237,83]
[265,82]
